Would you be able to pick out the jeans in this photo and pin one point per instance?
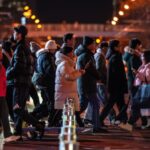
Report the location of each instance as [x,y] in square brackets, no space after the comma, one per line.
[102,94]
[93,109]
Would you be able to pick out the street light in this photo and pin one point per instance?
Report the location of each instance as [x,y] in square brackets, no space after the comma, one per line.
[115,18]
[121,13]
[37,21]
[126,7]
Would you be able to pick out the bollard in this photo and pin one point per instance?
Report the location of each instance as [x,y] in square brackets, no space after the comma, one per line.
[68,137]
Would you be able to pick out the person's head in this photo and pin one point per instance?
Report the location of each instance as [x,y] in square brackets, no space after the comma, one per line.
[135,44]
[89,43]
[104,47]
[69,39]
[34,47]
[6,46]
[68,51]
[20,33]
[114,45]
[146,57]
[51,46]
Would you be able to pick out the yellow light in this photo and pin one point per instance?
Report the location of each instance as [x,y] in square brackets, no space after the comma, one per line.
[27,14]
[37,21]
[126,7]
[49,37]
[115,19]
[39,26]
[113,22]
[26,7]
[121,13]
[33,17]
[98,40]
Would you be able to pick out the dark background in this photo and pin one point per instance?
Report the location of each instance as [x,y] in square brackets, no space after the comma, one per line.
[83,11]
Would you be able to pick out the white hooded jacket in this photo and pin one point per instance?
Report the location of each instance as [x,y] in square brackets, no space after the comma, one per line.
[65,81]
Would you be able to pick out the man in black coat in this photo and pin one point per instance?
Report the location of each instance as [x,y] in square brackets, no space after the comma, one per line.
[116,81]
[87,83]
[20,72]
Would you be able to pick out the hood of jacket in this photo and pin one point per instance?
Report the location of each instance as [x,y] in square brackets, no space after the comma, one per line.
[41,51]
[63,58]
[80,50]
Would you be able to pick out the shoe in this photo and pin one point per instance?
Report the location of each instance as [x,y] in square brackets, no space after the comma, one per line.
[117,122]
[147,125]
[88,123]
[40,129]
[127,127]
[32,135]
[99,130]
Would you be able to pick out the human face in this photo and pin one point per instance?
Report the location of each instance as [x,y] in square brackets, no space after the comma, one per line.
[71,55]
[104,49]
[92,47]
[139,47]
[17,36]
[71,42]
[118,48]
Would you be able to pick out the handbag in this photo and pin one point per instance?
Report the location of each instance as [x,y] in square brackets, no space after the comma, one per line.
[142,96]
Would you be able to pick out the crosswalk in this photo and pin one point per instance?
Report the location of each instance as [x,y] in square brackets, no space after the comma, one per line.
[115,139]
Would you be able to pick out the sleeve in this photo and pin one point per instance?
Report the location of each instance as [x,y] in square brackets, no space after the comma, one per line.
[19,62]
[69,75]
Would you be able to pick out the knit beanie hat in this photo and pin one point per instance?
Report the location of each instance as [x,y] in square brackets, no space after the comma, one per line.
[51,45]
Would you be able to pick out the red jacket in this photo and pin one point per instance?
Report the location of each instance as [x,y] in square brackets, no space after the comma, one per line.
[2,81]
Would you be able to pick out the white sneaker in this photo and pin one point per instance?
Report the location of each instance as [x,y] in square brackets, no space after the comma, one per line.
[147,125]
[126,126]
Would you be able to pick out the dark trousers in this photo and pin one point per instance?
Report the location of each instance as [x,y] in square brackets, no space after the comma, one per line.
[91,100]
[119,100]
[48,98]
[136,113]
[20,95]
[34,95]
[9,99]
[4,117]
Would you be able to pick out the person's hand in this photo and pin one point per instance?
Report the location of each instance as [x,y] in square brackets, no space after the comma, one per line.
[16,107]
[82,71]
[134,71]
[126,98]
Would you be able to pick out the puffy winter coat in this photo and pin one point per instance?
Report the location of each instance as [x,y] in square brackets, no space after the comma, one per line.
[143,75]
[2,81]
[87,82]
[20,69]
[46,66]
[65,82]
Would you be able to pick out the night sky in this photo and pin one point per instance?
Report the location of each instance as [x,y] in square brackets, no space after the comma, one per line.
[84,11]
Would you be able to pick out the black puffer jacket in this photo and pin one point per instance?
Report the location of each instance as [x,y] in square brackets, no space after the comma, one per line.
[87,82]
[46,66]
[116,77]
[20,69]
